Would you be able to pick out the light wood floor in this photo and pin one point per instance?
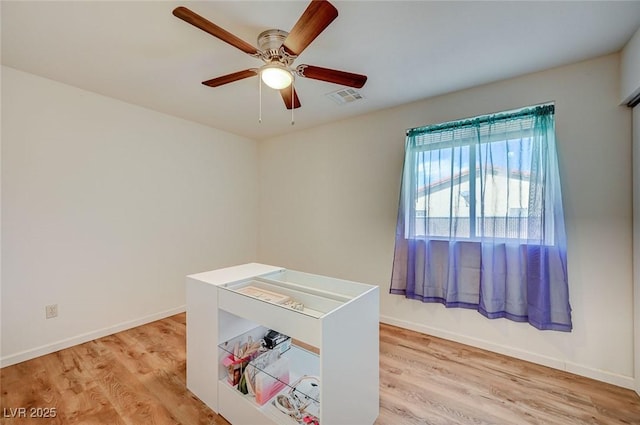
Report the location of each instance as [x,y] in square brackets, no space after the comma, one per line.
[137,377]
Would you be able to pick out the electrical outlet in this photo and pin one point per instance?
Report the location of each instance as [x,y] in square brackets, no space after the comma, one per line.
[51,311]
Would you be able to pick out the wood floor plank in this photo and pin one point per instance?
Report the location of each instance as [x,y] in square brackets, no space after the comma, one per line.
[514,390]
[139,377]
[168,387]
[80,399]
[38,393]
[124,389]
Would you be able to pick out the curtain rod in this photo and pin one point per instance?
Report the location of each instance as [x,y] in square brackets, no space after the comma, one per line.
[546,108]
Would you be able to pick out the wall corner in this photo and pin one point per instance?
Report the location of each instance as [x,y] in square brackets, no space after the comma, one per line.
[630,70]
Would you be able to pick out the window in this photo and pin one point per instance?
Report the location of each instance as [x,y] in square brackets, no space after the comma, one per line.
[480,210]
[472,181]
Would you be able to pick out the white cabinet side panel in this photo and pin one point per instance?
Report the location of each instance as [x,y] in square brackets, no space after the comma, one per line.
[202,367]
[349,363]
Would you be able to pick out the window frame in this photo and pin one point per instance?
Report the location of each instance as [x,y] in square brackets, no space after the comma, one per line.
[482,124]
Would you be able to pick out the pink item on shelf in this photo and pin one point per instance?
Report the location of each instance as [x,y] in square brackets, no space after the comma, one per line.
[235,368]
[272,380]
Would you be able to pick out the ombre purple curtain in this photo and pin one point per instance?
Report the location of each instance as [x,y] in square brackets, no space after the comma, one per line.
[480,221]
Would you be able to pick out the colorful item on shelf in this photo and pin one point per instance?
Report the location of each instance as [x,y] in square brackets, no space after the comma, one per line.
[271,380]
[311,420]
[235,368]
[237,361]
[302,402]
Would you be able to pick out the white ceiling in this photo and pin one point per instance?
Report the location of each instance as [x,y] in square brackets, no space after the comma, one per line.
[137,51]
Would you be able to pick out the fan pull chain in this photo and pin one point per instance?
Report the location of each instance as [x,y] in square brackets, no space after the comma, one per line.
[293,106]
[259,100]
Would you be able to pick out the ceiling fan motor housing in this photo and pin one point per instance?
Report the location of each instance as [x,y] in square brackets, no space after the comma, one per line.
[270,43]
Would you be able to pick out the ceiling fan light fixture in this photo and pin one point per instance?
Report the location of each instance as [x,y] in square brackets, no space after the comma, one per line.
[276,76]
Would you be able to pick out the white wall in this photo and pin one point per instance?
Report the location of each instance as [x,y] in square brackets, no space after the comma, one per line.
[106,207]
[630,69]
[630,87]
[329,197]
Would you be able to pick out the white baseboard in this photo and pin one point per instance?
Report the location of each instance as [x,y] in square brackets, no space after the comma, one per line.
[89,336]
[600,375]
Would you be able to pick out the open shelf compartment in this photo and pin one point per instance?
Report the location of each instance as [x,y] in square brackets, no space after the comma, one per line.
[283,379]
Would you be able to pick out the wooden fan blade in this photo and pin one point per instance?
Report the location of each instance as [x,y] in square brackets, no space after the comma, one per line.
[317,16]
[332,75]
[207,26]
[286,96]
[230,78]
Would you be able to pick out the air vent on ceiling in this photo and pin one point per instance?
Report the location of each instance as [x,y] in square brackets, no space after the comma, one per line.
[343,96]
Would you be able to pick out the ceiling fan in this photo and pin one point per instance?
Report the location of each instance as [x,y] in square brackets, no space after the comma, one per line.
[278,50]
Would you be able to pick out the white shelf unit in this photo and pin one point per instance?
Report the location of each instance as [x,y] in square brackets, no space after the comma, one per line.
[340,318]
